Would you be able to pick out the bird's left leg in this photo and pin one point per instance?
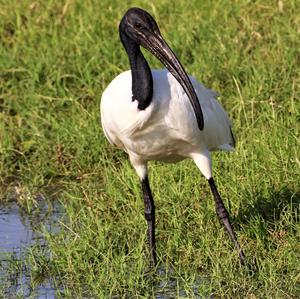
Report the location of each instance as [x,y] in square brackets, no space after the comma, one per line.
[141,169]
[224,217]
[203,161]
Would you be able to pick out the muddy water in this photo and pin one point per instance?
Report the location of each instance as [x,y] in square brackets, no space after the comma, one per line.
[20,231]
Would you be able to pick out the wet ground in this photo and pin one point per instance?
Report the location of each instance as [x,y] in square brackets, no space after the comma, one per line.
[19,232]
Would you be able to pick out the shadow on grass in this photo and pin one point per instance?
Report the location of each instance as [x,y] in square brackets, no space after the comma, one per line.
[271,207]
[267,219]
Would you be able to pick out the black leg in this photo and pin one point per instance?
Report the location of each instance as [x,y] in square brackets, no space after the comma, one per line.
[224,217]
[150,217]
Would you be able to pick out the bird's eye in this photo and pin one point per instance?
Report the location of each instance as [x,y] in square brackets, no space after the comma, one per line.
[138,25]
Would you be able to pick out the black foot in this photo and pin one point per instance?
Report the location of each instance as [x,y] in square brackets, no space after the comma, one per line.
[224,217]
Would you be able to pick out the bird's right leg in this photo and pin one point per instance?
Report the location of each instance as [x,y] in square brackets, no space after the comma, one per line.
[141,169]
[150,217]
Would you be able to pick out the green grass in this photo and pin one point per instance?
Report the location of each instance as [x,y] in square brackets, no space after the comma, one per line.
[57,57]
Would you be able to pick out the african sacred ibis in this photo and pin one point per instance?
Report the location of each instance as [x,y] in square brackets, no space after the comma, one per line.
[163,115]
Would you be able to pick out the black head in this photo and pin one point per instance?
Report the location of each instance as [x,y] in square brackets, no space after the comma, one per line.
[138,27]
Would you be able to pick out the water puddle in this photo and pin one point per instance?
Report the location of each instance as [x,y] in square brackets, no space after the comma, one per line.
[169,286]
[20,232]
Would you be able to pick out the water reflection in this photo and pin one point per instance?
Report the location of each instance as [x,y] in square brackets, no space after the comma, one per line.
[19,232]
[169,286]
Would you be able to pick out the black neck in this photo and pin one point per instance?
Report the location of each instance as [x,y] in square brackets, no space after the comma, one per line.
[142,81]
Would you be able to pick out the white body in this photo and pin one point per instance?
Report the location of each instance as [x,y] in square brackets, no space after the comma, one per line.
[167,129]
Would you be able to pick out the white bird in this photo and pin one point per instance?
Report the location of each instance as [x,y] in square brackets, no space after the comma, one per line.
[163,115]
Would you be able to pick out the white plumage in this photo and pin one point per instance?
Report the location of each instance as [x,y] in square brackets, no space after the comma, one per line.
[167,130]
[163,115]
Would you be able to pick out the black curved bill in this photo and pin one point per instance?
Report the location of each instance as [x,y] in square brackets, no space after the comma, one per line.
[160,49]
